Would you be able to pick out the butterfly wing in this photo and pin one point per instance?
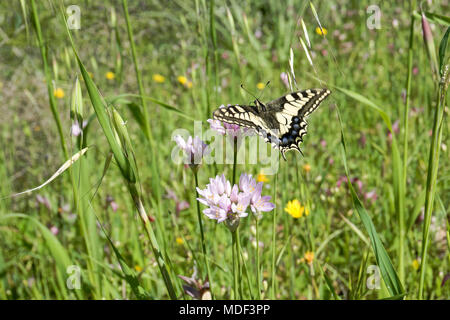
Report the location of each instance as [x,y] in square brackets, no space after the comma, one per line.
[244,116]
[291,112]
[281,122]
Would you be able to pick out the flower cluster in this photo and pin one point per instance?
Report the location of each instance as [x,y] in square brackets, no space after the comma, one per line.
[229,203]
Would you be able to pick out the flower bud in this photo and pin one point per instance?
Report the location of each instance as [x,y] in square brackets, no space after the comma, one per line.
[76,102]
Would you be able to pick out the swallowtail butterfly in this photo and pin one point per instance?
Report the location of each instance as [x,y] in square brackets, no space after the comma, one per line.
[281,122]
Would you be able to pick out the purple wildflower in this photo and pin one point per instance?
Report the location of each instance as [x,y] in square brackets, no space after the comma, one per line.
[228,203]
[285,79]
[112,203]
[76,129]
[261,204]
[372,195]
[232,130]
[54,230]
[194,149]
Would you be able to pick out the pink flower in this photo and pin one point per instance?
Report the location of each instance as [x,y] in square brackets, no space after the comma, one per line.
[261,204]
[54,230]
[75,129]
[180,206]
[232,130]
[395,129]
[113,204]
[372,195]
[285,79]
[230,203]
[194,149]
[247,184]
[216,213]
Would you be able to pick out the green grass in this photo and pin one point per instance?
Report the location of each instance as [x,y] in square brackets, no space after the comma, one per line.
[382,131]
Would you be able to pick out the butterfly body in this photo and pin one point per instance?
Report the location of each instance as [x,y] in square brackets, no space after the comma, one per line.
[281,122]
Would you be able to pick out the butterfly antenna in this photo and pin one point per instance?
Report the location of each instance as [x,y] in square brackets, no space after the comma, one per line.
[267,84]
[248,91]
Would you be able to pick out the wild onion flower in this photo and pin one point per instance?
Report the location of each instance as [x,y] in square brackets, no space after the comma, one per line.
[284,78]
[75,129]
[54,230]
[43,201]
[372,195]
[110,202]
[395,129]
[260,203]
[193,148]
[232,130]
[230,203]
[295,209]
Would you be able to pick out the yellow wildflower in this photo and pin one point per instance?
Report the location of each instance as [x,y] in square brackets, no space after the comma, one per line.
[158,78]
[91,75]
[321,32]
[295,209]
[307,167]
[138,268]
[260,85]
[416,264]
[182,79]
[58,93]
[189,84]
[309,257]
[110,75]
[261,177]
[179,240]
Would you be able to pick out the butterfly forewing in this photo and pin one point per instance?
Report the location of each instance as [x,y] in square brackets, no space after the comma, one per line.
[281,122]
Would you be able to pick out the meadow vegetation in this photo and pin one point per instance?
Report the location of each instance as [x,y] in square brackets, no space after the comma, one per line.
[362,214]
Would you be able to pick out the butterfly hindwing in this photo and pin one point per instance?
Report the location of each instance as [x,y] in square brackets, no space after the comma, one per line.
[281,122]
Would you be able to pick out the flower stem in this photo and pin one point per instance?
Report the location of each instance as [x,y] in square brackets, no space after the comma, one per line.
[258,272]
[200,223]
[433,165]
[239,257]
[402,196]
[234,159]
[235,271]
[274,227]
